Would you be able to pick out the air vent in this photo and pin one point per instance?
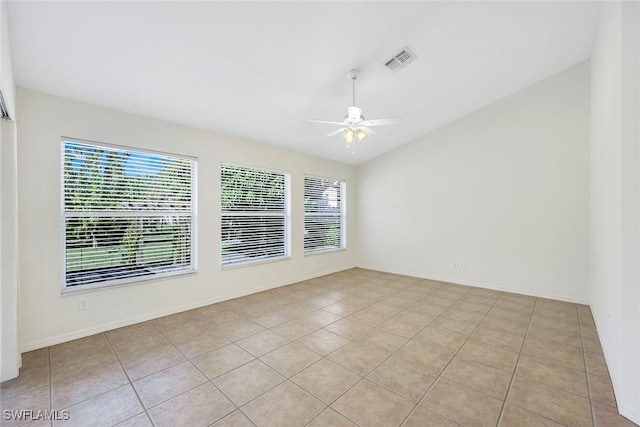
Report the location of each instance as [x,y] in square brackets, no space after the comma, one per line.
[399,60]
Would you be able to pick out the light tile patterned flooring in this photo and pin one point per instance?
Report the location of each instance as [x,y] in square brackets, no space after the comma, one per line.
[358,347]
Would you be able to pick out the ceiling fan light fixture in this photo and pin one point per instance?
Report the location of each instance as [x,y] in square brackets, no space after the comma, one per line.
[348,135]
[354,126]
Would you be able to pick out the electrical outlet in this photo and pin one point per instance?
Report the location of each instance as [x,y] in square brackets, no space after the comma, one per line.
[83,304]
[462,265]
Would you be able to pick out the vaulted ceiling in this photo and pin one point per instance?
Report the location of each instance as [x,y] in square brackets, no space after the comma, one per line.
[260,70]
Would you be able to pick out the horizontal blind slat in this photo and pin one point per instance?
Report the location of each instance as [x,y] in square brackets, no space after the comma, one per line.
[253,216]
[324,214]
[127,214]
[106,178]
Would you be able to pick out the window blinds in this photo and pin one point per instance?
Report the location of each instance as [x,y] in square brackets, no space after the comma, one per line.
[254,214]
[323,214]
[127,214]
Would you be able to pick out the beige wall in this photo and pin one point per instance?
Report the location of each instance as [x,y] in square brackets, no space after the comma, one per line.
[504,189]
[615,197]
[47,317]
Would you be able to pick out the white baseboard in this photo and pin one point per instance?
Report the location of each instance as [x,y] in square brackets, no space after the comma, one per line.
[480,284]
[629,413]
[58,339]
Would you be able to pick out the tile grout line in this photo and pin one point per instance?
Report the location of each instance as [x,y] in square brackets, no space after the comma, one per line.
[586,373]
[286,379]
[209,380]
[515,367]
[452,357]
[239,408]
[363,377]
[97,395]
[417,404]
[325,358]
[343,288]
[128,379]
[538,382]
[391,355]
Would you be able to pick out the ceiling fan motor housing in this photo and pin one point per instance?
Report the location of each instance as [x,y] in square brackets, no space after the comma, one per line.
[354,114]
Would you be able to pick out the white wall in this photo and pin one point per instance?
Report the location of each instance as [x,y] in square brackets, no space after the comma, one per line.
[504,189]
[47,317]
[6,62]
[10,353]
[615,198]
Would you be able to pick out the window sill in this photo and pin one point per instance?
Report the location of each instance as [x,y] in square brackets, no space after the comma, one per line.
[254,262]
[69,290]
[324,251]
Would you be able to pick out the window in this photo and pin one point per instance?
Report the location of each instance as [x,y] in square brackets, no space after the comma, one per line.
[255,215]
[128,215]
[324,214]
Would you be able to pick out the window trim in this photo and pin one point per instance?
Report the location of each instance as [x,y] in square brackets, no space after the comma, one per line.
[287,219]
[342,215]
[193,269]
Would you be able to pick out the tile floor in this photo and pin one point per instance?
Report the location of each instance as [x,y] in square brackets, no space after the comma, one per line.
[357,347]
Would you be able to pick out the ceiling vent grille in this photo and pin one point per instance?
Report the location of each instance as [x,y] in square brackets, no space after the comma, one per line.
[400,60]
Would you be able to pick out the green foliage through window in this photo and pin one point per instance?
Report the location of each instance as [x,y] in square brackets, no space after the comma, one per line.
[254,214]
[324,214]
[127,213]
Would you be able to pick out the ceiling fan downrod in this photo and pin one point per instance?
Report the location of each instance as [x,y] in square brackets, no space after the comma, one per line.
[353,75]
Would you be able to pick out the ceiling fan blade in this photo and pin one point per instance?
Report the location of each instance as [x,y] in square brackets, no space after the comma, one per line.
[382,122]
[327,122]
[336,132]
[368,130]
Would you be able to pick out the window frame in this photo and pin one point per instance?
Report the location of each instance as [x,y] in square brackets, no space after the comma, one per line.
[64,215]
[286,215]
[342,215]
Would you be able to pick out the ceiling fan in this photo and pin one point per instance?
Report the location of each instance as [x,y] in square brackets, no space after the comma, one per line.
[354,124]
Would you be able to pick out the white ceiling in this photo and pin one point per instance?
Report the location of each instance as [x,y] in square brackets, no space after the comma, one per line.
[261,70]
